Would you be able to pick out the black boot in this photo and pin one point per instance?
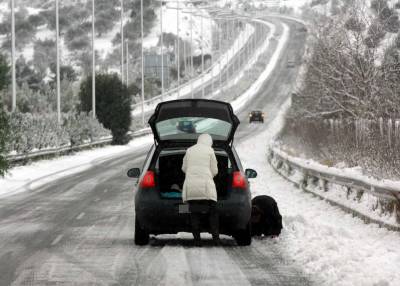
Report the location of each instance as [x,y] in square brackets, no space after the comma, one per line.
[197,240]
[216,240]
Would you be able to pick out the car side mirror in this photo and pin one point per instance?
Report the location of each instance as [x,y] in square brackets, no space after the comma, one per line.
[251,174]
[133,173]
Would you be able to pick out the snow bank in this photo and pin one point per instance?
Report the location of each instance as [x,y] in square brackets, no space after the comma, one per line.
[327,243]
[369,206]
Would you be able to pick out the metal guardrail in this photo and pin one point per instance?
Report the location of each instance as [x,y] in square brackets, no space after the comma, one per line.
[284,165]
[54,152]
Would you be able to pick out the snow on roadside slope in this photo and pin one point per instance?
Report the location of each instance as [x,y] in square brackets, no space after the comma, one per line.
[37,174]
[325,241]
[170,26]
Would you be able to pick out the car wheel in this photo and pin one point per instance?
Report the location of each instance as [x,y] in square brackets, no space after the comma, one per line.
[243,237]
[141,236]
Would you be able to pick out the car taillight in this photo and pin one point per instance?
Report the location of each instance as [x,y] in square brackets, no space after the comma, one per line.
[148,180]
[239,180]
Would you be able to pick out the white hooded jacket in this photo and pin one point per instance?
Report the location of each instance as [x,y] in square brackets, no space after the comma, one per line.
[200,166]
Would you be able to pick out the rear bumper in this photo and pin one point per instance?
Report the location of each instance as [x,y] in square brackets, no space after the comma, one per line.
[158,215]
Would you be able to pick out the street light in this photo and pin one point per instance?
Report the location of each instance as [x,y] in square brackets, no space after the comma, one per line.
[13,58]
[58,64]
[141,31]
[162,50]
[93,64]
[122,41]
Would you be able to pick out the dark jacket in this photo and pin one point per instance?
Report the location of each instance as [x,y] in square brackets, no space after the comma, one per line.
[265,216]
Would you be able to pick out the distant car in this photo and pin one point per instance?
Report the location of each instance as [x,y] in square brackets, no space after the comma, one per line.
[158,204]
[186,126]
[302,29]
[290,64]
[256,115]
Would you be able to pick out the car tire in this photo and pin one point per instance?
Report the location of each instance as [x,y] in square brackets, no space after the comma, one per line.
[243,237]
[141,236]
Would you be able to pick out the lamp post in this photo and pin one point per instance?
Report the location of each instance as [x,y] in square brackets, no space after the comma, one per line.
[127,62]
[178,50]
[162,51]
[13,58]
[58,64]
[122,40]
[141,32]
[93,64]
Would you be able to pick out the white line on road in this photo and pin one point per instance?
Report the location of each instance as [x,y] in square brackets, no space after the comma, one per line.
[80,216]
[57,240]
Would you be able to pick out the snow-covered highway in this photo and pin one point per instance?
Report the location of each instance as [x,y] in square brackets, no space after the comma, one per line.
[78,229]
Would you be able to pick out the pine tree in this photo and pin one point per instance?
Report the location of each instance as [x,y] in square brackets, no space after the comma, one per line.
[113,103]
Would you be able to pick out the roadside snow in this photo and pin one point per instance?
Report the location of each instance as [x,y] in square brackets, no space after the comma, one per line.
[37,174]
[170,26]
[367,205]
[326,242]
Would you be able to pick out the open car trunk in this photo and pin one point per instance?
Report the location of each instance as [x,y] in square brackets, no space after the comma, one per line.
[170,174]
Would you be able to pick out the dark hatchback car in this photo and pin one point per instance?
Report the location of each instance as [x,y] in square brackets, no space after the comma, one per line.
[158,203]
[256,115]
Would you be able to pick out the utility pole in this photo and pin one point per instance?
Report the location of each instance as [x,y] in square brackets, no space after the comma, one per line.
[93,63]
[178,50]
[122,41]
[212,55]
[202,56]
[127,62]
[191,49]
[162,52]
[220,54]
[141,30]
[184,55]
[58,64]
[13,58]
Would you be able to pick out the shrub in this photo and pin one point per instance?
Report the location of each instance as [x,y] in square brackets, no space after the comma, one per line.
[112,104]
[4,70]
[354,24]
[83,128]
[4,139]
[42,131]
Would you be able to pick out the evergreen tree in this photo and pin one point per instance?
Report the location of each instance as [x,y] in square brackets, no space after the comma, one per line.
[4,124]
[112,104]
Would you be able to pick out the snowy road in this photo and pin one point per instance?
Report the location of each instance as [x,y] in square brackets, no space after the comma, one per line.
[79,229]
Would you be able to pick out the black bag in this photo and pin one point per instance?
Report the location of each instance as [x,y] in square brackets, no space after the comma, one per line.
[265,216]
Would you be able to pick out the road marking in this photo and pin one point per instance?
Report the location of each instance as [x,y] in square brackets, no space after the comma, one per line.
[80,216]
[57,240]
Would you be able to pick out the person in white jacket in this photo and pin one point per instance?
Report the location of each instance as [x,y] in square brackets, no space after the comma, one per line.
[200,166]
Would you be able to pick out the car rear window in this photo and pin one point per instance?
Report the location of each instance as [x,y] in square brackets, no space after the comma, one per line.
[169,129]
